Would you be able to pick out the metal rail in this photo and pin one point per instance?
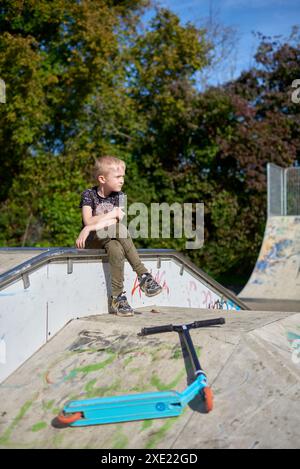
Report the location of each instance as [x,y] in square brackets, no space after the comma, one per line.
[69,255]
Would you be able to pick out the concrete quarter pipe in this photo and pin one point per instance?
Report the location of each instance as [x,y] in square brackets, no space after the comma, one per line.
[276,274]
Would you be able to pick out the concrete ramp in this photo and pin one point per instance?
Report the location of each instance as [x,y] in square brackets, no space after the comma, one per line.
[41,295]
[276,274]
[252,364]
[12,257]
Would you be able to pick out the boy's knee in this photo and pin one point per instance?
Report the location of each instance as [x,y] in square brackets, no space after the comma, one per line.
[115,250]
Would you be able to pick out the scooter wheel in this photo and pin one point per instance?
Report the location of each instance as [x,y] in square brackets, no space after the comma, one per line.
[208,399]
[67,419]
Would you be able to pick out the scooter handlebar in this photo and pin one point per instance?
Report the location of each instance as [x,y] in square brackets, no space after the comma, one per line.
[156,329]
[208,323]
[171,327]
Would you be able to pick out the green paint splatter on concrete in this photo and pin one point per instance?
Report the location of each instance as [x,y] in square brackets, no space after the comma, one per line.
[102,390]
[89,350]
[91,368]
[156,436]
[120,441]
[48,405]
[160,386]
[127,361]
[58,439]
[139,389]
[38,426]
[89,386]
[177,353]
[18,445]
[24,409]
[146,424]
[96,366]
[155,355]
[135,370]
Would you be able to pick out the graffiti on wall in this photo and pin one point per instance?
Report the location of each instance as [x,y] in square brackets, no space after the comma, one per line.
[294,341]
[220,303]
[209,300]
[280,247]
[159,277]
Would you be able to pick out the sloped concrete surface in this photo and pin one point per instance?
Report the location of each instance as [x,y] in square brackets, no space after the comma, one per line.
[276,274]
[10,258]
[251,362]
[259,304]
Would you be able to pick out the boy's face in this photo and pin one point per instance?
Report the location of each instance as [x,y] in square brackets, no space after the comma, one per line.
[114,180]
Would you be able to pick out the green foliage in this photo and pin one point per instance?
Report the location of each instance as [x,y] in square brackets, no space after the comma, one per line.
[43,210]
[83,79]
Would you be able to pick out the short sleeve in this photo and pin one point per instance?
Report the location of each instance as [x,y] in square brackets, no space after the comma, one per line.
[86,199]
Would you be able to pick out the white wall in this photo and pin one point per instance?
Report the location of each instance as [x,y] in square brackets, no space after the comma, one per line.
[29,317]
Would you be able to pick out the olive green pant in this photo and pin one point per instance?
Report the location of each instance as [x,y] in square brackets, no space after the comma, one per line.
[118,244]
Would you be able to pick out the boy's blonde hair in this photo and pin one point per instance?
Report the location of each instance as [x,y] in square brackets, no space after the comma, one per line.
[104,164]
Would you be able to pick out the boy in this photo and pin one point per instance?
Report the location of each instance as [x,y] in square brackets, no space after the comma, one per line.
[101,208]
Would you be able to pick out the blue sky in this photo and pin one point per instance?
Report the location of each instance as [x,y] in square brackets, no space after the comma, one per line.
[270,17]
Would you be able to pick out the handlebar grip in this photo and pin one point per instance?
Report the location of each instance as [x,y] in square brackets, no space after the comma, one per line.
[156,329]
[171,328]
[208,323]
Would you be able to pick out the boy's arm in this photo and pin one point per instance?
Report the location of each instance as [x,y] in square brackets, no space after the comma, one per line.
[97,225]
[80,241]
[90,220]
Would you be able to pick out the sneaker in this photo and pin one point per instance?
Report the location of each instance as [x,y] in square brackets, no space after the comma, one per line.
[148,285]
[120,306]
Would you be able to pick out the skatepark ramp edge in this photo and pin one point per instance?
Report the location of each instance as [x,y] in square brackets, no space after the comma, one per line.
[41,295]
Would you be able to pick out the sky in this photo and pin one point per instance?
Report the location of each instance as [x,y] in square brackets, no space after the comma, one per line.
[270,17]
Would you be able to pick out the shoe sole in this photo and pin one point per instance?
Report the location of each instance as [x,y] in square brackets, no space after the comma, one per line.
[124,315]
[152,294]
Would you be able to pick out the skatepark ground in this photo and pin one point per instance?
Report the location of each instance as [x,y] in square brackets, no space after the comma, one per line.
[250,363]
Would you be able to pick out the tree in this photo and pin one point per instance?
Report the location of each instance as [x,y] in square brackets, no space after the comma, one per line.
[83,79]
[62,67]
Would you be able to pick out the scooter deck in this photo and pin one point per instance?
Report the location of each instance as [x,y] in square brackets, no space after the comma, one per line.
[126,408]
[151,405]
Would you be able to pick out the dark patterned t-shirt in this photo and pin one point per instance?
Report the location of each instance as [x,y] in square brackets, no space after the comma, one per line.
[101,205]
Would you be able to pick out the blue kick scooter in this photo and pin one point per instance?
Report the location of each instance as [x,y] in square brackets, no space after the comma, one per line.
[151,405]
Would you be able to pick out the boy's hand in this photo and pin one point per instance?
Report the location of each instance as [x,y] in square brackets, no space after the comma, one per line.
[80,241]
[119,213]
